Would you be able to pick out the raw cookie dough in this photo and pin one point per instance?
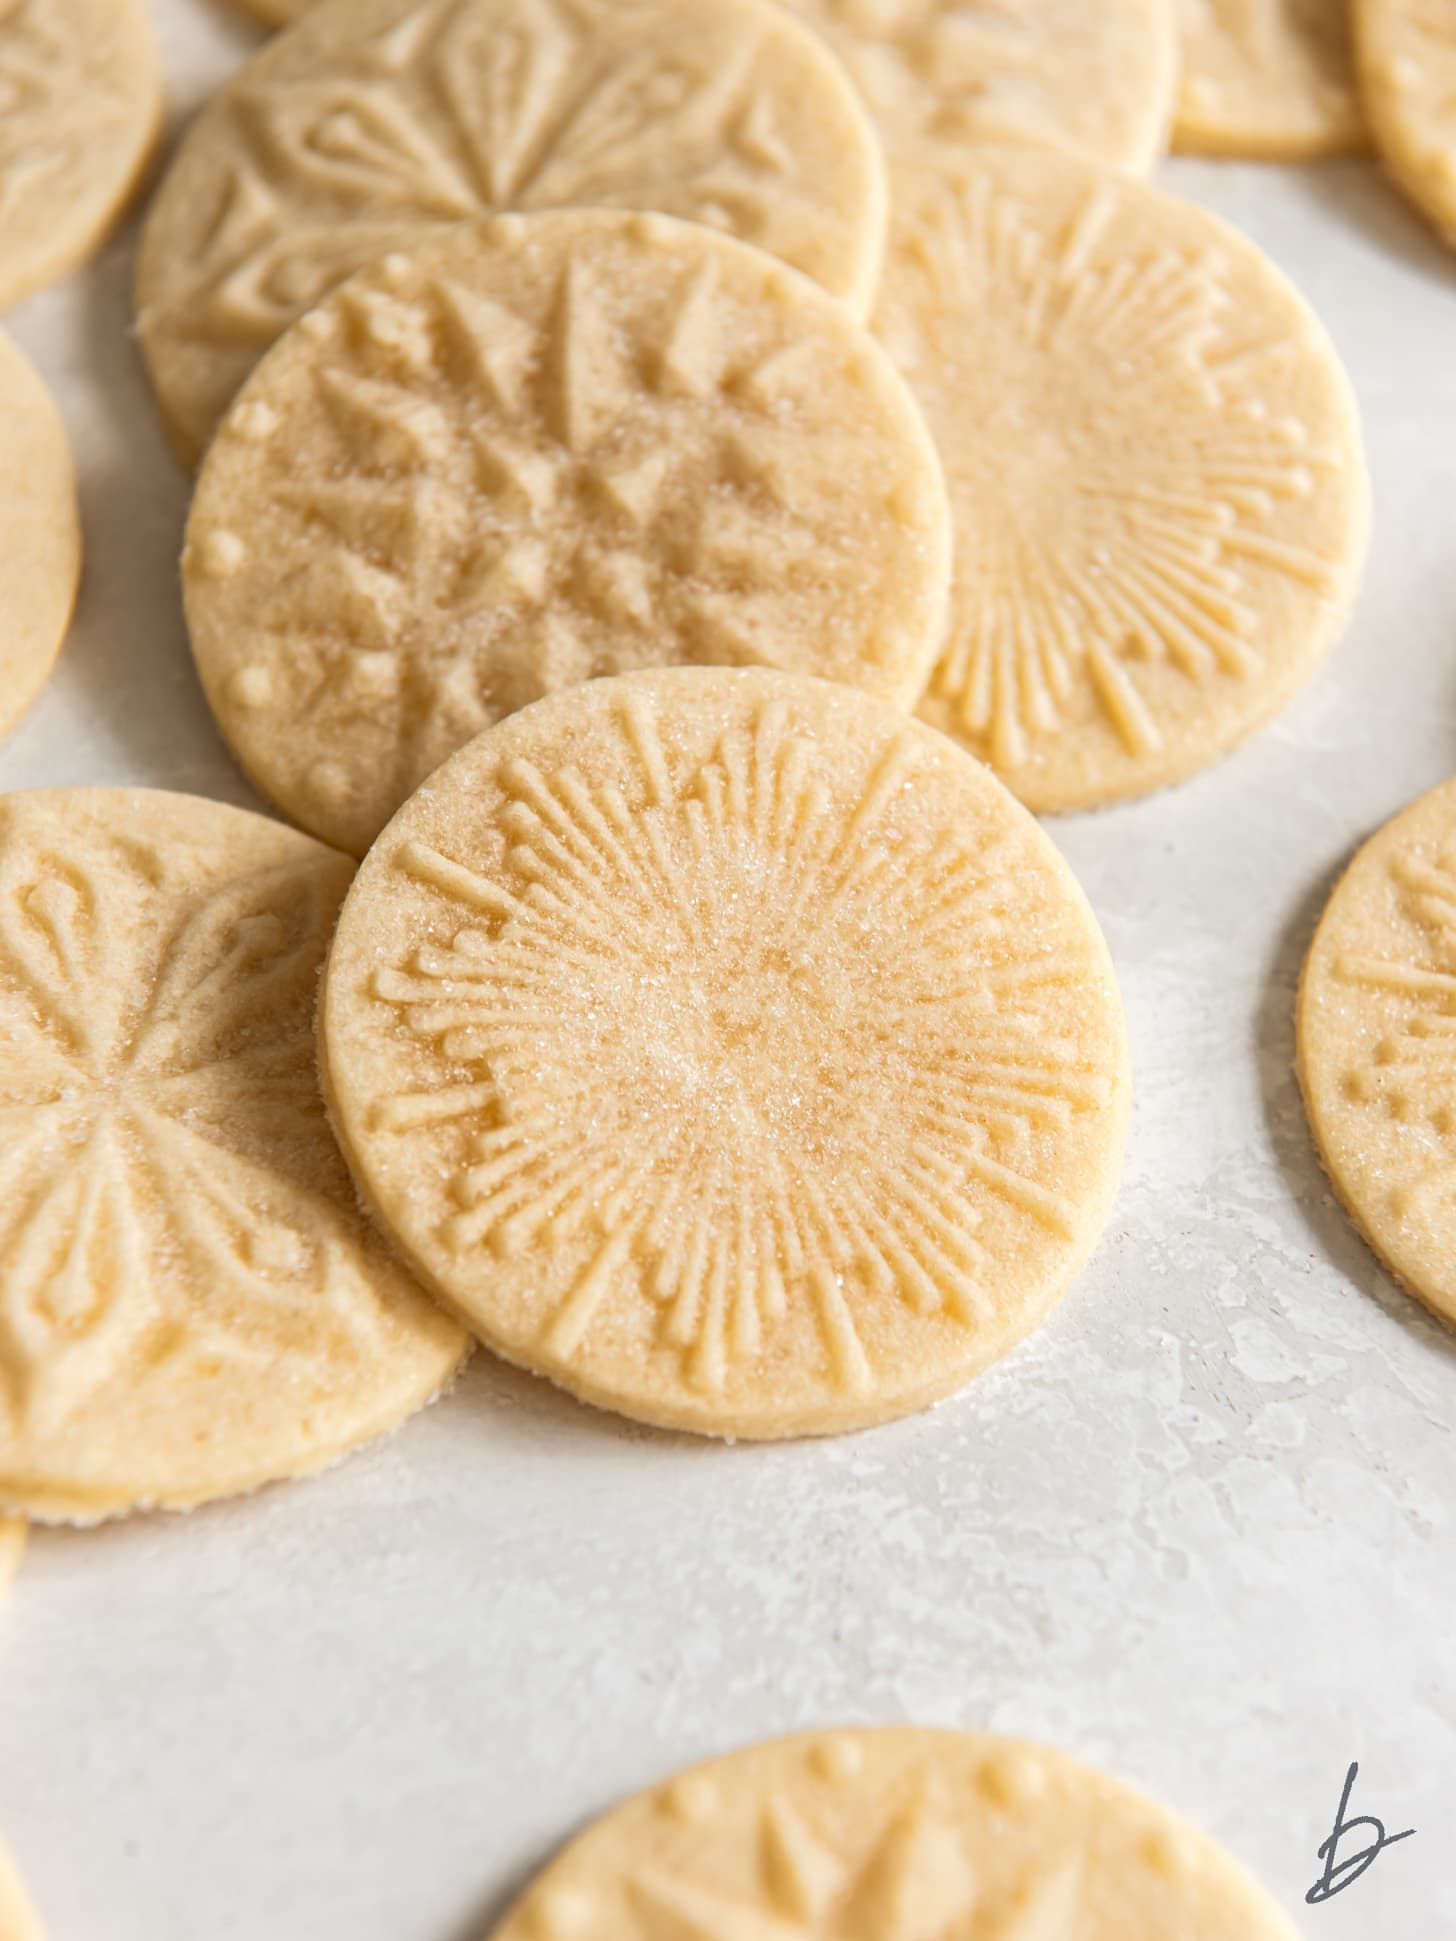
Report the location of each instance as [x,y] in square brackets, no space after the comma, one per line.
[373,119]
[1270,79]
[730,1048]
[1407,59]
[537,450]
[1159,498]
[40,535]
[1377,1045]
[192,1302]
[80,112]
[898,1834]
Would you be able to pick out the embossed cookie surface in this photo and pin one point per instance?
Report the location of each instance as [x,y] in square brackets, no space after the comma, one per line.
[80,108]
[1095,78]
[1407,60]
[12,1543]
[899,1835]
[731,1049]
[18,1918]
[1272,78]
[40,535]
[191,1302]
[1377,1044]
[539,450]
[373,119]
[1157,488]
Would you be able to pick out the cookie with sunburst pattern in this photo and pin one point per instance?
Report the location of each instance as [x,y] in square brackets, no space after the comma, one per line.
[537,450]
[730,1048]
[12,1542]
[1268,78]
[1407,59]
[1377,1044]
[40,534]
[191,1302]
[371,120]
[899,1834]
[1157,488]
[18,1918]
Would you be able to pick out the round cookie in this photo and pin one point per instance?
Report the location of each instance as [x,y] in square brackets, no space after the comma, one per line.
[13,1530]
[1269,79]
[538,450]
[373,119]
[1377,1045]
[192,1302]
[1097,79]
[80,112]
[40,535]
[18,1918]
[1157,489]
[728,1047]
[1407,59]
[902,1834]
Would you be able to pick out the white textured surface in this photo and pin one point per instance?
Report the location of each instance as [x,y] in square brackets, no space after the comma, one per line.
[1200,1529]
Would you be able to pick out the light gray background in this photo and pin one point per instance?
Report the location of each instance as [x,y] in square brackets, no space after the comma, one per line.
[1199,1529]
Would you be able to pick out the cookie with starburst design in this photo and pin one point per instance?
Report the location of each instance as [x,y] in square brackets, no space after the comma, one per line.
[1157,486]
[730,1048]
[13,1530]
[1377,1044]
[1407,58]
[40,535]
[191,1302]
[371,120]
[535,451]
[901,1834]
[1273,79]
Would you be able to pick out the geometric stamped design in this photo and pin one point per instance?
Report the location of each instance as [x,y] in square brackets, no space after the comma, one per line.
[1271,78]
[374,118]
[1154,469]
[695,1157]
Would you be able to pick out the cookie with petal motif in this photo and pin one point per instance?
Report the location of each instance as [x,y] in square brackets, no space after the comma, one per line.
[1407,59]
[1377,1045]
[371,120]
[1157,488]
[537,450]
[18,1918]
[901,1834]
[730,1048]
[40,535]
[1272,79]
[191,1301]
[12,1545]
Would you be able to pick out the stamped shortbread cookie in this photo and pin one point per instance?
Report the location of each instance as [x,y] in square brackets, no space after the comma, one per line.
[12,1543]
[1098,79]
[1377,1044]
[80,111]
[1157,488]
[372,119]
[18,1918]
[1407,60]
[900,1834]
[730,1048]
[192,1301]
[1268,78]
[40,535]
[538,450]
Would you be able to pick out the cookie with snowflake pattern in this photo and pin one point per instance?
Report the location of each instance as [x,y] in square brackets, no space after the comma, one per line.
[1157,487]
[40,535]
[1407,58]
[537,450]
[901,1834]
[730,1048]
[1272,79]
[191,1302]
[1377,1044]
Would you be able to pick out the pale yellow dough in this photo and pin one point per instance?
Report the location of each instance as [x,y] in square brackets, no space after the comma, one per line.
[1094,76]
[18,1918]
[373,119]
[1407,61]
[730,1048]
[80,112]
[1157,488]
[13,1531]
[538,450]
[898,1834]
[1377,1045]
[1270,79]
[191,1301]
[40,535]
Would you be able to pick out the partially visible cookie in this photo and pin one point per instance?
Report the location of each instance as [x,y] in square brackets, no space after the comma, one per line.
[276,13]
[1407,61]
[80,112]
[1271,79]
[40,535]
[192,1302]
[898,1834]
[12,1543]
[18,1918]
[1157,487]
[537,450]
[371,120]
[1377,1044]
